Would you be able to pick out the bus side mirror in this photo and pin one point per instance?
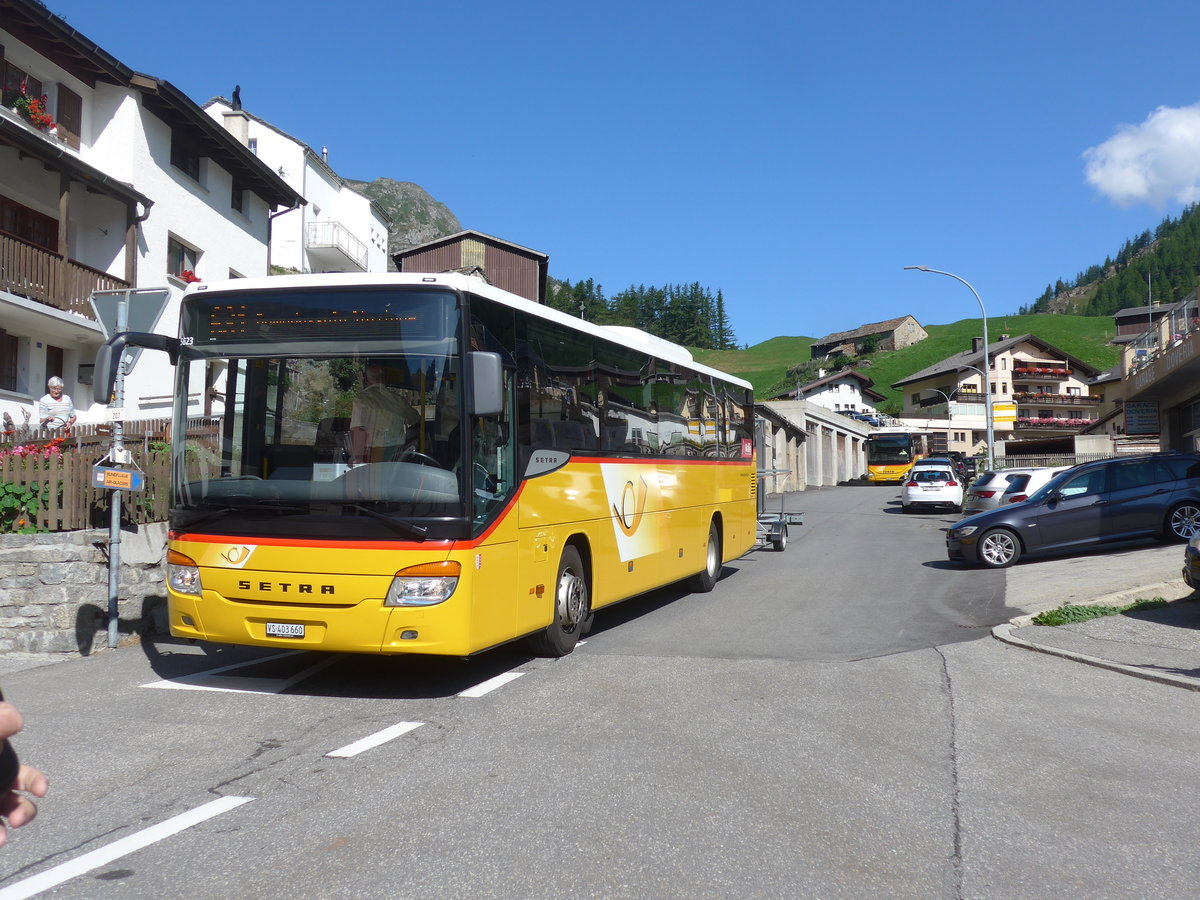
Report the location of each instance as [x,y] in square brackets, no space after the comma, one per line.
[486,373]
[108,358]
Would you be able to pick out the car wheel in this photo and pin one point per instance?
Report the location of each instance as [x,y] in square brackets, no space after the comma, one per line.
[999,548]
[1183,522]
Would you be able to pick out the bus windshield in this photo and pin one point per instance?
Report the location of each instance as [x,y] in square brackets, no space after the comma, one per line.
[312,441]
[890,450]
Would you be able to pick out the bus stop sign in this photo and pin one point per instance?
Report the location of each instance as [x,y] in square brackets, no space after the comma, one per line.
[113,479]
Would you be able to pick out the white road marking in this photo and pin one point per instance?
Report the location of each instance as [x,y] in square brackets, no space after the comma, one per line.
[95,859]
[486,687]
[213,680]
[374,740]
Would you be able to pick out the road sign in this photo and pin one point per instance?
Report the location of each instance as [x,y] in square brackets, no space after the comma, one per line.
[1004,412]
[143,306]
[117,479]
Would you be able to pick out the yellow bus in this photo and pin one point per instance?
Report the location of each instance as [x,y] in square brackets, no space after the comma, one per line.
[415,463]
[891,453]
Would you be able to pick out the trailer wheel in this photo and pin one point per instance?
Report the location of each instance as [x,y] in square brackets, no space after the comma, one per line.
[779,540]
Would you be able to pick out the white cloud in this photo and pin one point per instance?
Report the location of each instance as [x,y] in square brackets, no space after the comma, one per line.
[1157,162]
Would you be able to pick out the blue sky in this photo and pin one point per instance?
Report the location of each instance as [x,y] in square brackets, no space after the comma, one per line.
[794,155]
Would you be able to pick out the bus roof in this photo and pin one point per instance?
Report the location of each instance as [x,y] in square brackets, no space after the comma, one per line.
[616,334]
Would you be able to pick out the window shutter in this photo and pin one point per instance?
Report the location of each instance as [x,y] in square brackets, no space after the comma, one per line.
[70,116]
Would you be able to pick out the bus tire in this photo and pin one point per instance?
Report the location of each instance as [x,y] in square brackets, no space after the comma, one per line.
[706,579]
[572,608]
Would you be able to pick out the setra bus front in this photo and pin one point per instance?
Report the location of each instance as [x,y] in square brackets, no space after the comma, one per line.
[355,482]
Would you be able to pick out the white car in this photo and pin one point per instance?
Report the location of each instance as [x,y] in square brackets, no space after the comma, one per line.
[1022,486]
[930,486]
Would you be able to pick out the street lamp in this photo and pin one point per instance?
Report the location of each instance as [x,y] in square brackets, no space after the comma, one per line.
[987,381]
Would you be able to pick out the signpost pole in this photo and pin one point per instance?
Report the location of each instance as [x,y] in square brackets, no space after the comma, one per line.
[116,453]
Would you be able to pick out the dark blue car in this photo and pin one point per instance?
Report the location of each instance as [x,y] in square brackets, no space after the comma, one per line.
[1094,503]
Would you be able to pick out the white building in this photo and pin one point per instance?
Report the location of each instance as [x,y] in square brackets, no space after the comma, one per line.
[339,230]
[133,187]
[846,390]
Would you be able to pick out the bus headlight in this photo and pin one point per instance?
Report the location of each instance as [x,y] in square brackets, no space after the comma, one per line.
[423,585]
[183,575]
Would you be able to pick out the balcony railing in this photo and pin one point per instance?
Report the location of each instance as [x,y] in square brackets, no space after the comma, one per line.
[333,237]
[1026,423]
[49,278]
[1028,398]
[1044,371]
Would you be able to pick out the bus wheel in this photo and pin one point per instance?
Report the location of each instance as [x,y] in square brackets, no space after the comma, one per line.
[572,609]
[704,581]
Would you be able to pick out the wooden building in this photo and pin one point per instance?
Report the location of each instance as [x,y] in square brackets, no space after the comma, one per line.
[509,266]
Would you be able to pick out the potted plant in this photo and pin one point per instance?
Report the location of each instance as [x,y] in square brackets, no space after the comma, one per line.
[33,109]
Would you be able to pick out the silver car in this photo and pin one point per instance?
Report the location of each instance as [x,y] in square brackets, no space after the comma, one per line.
[987,491]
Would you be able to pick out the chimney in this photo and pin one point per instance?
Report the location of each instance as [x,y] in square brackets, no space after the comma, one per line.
[237,123]
[976,345]
[325,155]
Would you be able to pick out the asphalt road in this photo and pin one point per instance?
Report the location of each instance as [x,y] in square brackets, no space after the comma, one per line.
[830,721]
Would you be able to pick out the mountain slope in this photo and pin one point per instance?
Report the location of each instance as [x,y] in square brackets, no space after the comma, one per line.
[766,365]
[416,216]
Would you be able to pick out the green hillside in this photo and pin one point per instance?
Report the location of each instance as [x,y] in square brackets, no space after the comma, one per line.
[766,365]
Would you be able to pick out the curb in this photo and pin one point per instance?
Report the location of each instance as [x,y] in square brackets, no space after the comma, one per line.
[1175,589]
[1003,632]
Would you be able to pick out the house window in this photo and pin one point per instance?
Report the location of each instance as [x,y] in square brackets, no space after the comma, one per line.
[54,361]
[252,145]
[1075,392]
[8,361]
[28,225]
[13,76]
[184,156]
[181,258]
[1074,413]
[916,399]
[1003,388]
[237,198]
[1045,414]
[70,116]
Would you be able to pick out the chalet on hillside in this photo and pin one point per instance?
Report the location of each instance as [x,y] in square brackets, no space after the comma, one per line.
[890,335]
[847,389]
[506,265]
[1037,391]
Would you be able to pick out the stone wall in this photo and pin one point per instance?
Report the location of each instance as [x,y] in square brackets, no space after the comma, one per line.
[54,589]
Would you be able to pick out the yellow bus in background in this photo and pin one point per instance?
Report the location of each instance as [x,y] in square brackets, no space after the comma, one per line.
[891,453]
[414,463]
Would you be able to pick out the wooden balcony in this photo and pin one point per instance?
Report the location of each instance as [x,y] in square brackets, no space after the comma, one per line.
[1042,372]
[1072,400]
[48,278]
[1058,426]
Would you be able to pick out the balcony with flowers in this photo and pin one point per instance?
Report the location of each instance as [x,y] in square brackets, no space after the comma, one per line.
[1049,371]
[1051,424]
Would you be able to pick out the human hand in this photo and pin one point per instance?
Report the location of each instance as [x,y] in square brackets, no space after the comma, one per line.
[15,807]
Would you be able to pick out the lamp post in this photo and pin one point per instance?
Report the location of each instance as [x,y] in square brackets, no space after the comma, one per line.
[949,412]
[987,381]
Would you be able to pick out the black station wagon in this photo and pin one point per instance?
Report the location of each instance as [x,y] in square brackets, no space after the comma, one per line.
[1094,503]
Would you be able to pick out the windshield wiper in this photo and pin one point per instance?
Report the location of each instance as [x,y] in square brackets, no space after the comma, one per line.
[218,512]
[408,528]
